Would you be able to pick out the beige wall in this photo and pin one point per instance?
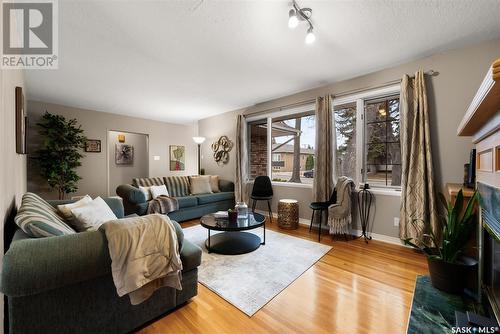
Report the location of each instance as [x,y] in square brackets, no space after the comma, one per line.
[212,128]
[460,74]
[12,165]
[94,165]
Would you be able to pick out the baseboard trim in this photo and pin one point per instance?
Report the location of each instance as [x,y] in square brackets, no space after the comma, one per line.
[375,236]
[382,237]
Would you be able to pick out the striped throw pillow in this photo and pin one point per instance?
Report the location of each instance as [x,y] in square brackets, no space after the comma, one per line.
[39,219]
[147,181]
[178,186]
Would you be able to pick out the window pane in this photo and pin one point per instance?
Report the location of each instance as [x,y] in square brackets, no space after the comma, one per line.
[376,175]
[376,111]
[376,132]
[376,154]
[383,175]
[293,140]
[345,126]
[393,131]
[394,177]
[393,106]
[382,148]
[257,134]
[393,154]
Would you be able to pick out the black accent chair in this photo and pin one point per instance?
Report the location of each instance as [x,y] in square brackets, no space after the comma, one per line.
[321,207]
[262,191]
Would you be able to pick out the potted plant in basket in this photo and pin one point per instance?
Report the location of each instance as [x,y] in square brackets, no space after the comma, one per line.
[444,246]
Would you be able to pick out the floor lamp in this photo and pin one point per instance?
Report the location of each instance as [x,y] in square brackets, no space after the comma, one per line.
[199,141]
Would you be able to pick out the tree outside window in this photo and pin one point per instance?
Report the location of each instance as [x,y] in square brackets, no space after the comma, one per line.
[382,146]
[293,139]
[345,126]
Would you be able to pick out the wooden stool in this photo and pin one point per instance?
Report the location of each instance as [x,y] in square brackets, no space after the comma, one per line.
[288,214]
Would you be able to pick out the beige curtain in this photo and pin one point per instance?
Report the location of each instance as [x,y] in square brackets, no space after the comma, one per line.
[324,150]
[418,197]
[241,160]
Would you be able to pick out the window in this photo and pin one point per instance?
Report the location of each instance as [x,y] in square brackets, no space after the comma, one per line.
[367,140]
[367,133]
[382,147]
[257,134]
[293,141]
[290,148]
[345,126]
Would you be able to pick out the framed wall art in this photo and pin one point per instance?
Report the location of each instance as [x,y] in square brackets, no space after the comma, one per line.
[177,158]
[21,121]
[124,154]
[93,145]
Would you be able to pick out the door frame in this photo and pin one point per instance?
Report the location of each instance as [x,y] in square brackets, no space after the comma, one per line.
[108,155]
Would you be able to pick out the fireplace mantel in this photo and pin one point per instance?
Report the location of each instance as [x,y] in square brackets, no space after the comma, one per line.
[483,115]
[482,122]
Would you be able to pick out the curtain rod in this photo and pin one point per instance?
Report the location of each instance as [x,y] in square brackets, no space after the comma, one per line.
[291,105]
[430,73]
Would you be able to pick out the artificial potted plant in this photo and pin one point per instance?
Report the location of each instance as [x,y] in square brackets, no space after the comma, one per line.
[59,155]
[444,246]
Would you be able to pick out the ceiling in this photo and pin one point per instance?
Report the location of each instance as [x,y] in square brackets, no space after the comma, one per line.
[180,61]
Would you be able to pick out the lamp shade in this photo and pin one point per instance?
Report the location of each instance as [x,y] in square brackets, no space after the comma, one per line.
[199,140]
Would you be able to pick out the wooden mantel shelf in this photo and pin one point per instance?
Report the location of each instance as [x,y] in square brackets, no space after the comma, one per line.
[452,190]
[485,106]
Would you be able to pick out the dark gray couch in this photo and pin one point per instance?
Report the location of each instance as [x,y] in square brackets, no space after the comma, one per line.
[190,207]
[63,284]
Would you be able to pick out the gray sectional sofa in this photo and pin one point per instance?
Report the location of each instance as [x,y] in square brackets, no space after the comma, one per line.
[190,206]
[63,284]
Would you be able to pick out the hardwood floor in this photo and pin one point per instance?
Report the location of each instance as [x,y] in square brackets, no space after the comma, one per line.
[354,288]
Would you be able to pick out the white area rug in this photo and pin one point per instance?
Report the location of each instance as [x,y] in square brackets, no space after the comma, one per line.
[249,281]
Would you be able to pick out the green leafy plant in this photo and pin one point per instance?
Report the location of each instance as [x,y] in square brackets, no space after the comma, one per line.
[277,179]
[455,229]
[309,162]
[59,155]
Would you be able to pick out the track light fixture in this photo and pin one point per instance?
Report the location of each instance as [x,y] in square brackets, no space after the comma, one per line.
[296,15]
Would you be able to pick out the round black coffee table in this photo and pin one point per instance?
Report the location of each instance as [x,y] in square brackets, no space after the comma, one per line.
[233,240]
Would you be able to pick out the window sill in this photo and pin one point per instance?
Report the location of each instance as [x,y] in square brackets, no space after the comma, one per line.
[291,184]
[386,192]
[288,184]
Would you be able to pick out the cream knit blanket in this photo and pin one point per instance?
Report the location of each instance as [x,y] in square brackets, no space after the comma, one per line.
[145,255]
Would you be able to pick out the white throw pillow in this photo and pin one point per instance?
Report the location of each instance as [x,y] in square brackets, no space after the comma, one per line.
[200,185]
[147,192]
[65,209]
[214,183]
[158,190]
[92,215]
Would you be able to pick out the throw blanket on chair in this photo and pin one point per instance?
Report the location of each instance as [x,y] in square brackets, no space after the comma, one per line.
[339,214]
[162,204]
[144,255]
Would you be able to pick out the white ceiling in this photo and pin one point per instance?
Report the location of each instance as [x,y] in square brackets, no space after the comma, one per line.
[179,61]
